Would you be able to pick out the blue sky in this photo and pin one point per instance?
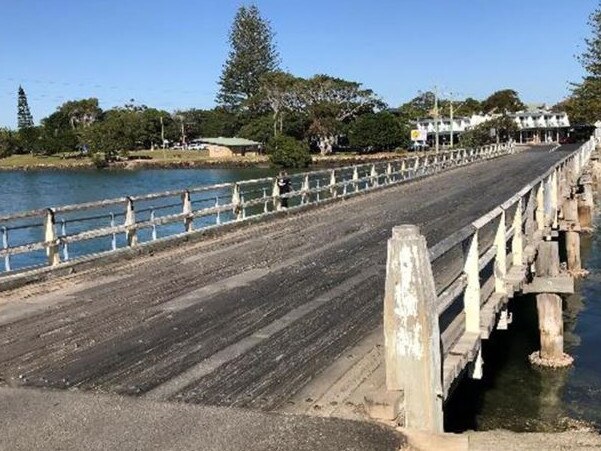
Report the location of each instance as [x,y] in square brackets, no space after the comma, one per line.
[169,54]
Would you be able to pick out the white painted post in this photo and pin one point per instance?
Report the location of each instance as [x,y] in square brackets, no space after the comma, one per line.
[333,188]
[237,209]
[50,238]
[411,331]
[501,256]
[554,198]
[472,291]
[63,235]
[130,223]
[403,170]
[265,207]
[218,217]
[5,247]
[517,243]
[305,190]
[388,173]
[374,175]
[187,210]
[356,178]
[275,195]
[114,235]
[154,227]
[540,206]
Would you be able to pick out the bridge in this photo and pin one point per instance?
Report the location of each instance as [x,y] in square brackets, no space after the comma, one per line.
[220,296]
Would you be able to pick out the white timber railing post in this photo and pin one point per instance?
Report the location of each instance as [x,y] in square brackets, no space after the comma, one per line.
[5,247]
[411,330]
[388,173]
[554,198]
[130,223]
[50,238]
[356,178]
[187,210]
[333,188]
[305,190]
[517,243]
[237,201]
[501,255]
[540,206]
[275,195]
[374,175]
[472,291]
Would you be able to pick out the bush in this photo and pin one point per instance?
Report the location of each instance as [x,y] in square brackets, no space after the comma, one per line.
[287,152]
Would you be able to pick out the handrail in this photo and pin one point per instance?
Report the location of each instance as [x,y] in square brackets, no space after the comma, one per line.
[233,201]
[544,190]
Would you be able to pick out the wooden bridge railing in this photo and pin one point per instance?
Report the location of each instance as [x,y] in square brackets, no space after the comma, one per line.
[442,301]
[51,236]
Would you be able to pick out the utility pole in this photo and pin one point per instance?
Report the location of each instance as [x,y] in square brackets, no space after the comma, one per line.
[451,117]
[436,120]
[183,133]
[162,133]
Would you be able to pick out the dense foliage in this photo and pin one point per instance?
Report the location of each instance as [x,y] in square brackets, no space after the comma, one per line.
[287,152]
[378,131]
[500,129]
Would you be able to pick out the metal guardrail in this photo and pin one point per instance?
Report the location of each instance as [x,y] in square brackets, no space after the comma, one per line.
[47,237]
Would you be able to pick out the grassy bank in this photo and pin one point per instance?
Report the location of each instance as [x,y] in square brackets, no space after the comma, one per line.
[173,159]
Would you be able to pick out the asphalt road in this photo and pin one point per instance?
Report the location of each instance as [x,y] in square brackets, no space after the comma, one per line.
[248,318]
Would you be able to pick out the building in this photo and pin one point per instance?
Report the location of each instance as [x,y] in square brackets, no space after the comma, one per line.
[541,126]
[446,126]
[230,147]
[535,126]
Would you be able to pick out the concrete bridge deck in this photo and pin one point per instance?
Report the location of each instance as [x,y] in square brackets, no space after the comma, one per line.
[250,318]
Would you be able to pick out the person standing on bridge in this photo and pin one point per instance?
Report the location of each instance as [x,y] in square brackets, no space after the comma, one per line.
[284,187]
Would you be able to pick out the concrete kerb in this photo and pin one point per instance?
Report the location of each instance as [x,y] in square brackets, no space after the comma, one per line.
[19,279]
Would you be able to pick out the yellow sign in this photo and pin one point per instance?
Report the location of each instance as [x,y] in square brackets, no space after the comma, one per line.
[419,135]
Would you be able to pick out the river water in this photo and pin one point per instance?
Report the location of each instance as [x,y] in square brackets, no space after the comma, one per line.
[513,395]
[28,190]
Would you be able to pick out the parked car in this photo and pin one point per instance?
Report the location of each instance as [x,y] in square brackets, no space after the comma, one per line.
[197,146]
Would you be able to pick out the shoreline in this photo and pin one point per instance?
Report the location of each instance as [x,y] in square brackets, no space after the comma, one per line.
[319,162]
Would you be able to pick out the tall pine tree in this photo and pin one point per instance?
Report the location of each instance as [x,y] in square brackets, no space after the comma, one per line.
[24,118]
[252,55]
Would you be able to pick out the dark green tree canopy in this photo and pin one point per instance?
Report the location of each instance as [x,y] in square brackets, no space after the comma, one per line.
[24,117]
[252,55]
[504,101]
[380,131]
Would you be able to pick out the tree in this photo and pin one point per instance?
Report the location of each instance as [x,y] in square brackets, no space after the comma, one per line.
[418,107]
[9,142]
[468,107]
[82,112]
[330,102]
[380,131]
[207,123]
[591,57]
[287,152]
[280,91]
[259,129]
[584,105]
[504,128]
[24,117]
[252,55]
[504,101]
